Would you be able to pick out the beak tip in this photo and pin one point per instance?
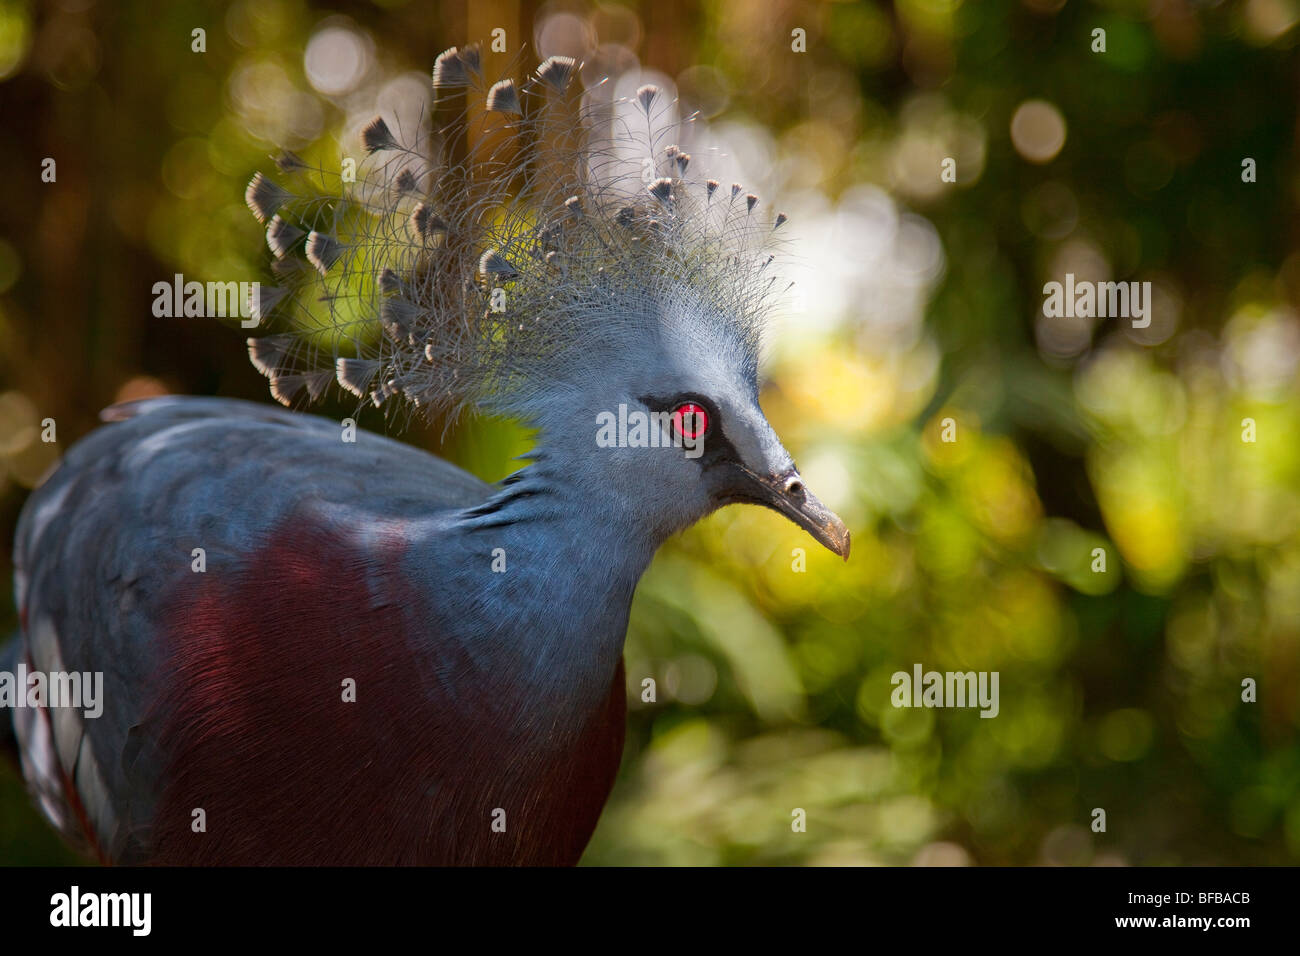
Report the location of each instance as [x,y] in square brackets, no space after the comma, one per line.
[834,537]
[844,543]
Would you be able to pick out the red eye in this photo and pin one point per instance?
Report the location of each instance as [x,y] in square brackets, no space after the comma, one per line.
[690,420]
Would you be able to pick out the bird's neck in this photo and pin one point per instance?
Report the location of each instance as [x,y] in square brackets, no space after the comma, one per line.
[542,576]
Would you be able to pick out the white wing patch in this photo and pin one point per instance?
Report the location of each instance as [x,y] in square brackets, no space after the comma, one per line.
[40,768]
[53,746]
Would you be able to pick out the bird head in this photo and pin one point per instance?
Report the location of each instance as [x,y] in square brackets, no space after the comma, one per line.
[554,258]
[665,415]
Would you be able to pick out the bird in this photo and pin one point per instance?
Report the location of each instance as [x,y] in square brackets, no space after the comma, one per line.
[321,645]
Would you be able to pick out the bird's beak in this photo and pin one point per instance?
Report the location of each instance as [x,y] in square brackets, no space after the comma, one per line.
[786,493]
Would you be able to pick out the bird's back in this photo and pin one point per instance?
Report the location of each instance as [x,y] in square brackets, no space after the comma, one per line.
[228,665]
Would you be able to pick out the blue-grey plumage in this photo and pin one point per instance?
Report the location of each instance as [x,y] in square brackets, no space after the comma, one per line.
[129,504]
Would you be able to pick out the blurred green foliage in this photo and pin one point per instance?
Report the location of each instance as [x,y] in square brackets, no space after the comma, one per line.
[1121,688]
